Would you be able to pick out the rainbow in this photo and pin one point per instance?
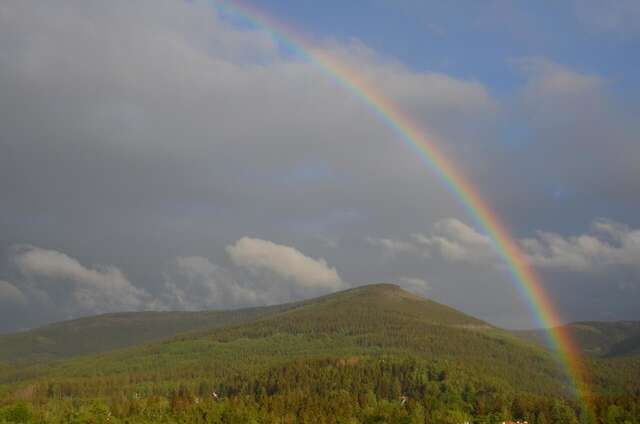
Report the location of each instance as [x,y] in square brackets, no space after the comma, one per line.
[527,282]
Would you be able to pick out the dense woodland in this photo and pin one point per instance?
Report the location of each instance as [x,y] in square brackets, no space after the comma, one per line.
[371,355]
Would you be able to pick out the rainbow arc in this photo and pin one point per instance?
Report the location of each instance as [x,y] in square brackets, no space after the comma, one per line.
[523,275]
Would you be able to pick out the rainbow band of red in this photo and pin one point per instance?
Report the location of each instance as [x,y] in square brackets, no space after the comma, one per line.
[524,277]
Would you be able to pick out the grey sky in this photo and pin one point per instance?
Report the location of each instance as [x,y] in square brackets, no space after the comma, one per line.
[156,156]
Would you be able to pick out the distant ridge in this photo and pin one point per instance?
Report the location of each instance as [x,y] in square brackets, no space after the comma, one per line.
[598,338]
[102,333]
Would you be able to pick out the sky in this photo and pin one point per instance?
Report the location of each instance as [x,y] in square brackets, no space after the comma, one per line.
[172,155]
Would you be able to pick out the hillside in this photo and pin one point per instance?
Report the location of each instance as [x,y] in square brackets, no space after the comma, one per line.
[108,332]
[598,338]
[103,333]
[359,354]
[374,320]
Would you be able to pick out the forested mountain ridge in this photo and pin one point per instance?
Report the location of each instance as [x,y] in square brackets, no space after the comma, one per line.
[370,354]
[374,320]
[103,333]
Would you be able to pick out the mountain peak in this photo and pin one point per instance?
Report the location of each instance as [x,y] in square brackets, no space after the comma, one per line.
[383,299]
[391,287]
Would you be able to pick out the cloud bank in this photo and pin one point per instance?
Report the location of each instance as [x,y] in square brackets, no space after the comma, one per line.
[606,244]
[260,272]
[103,289]
[450,239]
[284,262]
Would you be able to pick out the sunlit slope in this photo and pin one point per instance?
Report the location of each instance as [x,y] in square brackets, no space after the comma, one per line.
[387,300]
[373,321]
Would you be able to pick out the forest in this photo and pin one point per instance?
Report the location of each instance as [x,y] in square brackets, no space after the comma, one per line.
[371,355]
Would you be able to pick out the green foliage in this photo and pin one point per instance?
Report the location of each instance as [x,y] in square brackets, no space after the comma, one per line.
[334,389]
[18,412]
[373,354]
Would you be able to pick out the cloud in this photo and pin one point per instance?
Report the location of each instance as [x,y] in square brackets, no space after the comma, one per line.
[11,294]
[195,283]
[607,244]
[284,262]
[450,239]
[563,110]
[262,273]
[203,118]
[91,290]
[206,131]
[430,98]
[394,247]
[416,285]
[547,78]
[615,16]
[556,96]
[57,286]
[457,242]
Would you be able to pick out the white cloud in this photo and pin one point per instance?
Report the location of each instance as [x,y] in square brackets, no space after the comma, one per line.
[195,283]
[263,273]
[450,239]
[285,262]
[607,244]
[413,284]
[94,290]
[456,241]
[11,294]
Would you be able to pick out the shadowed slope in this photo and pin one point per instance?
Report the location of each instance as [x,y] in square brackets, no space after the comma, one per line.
[107,332]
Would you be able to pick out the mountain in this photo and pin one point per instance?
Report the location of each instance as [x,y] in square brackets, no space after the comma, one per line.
[598,338]
[370,321]
[370,354]
[103,333]
[107,332]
